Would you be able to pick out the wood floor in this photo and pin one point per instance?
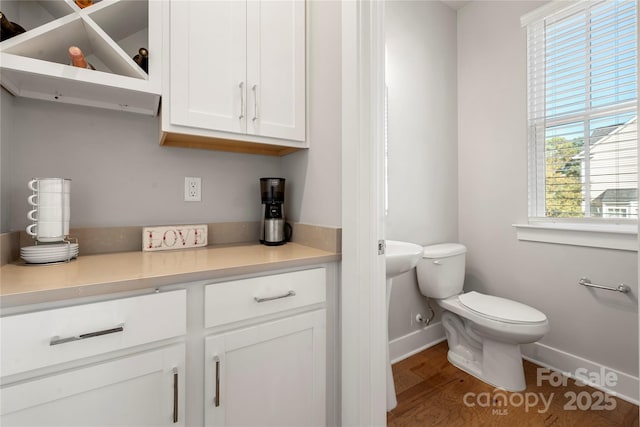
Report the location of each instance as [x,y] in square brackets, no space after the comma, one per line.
[432,392]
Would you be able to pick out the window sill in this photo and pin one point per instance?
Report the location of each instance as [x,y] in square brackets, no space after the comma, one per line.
[609,236]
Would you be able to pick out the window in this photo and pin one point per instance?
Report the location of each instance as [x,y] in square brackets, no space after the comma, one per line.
[582,94]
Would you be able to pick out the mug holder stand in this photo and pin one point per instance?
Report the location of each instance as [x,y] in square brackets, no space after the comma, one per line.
[67,239]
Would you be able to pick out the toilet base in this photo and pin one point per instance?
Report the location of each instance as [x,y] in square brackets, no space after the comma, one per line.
[493,362]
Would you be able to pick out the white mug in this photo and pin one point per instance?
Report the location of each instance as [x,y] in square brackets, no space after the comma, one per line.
[49,199]
[50,185]
[48,213]
[49,231]
[52,207]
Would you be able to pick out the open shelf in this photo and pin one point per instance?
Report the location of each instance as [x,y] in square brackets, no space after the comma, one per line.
[32,14]
[125,24]
[110,32]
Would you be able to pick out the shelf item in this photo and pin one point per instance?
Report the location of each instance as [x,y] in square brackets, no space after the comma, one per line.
[84,3]
[35,64]
[9,29]
[78,59]
[142,59]
[236,72]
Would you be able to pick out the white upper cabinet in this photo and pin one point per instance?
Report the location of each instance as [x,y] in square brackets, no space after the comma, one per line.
[110,32]
[276,69]
[236,77]
[208,63]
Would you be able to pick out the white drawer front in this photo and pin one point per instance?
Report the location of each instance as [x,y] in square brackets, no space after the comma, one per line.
[243,299]
[44,338]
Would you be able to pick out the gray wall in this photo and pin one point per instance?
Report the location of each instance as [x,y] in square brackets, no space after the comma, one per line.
[121,176]
[314,176]
[492,145]
[6,135]
[422,135]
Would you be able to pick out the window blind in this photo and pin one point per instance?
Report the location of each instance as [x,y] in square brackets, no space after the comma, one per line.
[582,94]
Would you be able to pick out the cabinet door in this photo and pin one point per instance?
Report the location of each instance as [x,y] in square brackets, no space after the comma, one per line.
[268,375]
[137,390]
[208,64]
[276,69]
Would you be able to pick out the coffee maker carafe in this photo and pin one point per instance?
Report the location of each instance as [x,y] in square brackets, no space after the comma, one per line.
[273,228]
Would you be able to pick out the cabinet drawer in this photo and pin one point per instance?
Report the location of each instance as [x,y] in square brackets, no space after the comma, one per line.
[243,299]
[44,338]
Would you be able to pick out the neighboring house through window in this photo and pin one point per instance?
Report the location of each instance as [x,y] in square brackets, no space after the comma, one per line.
[583,143]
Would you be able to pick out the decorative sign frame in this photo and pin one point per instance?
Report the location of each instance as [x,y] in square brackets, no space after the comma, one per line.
[167,237]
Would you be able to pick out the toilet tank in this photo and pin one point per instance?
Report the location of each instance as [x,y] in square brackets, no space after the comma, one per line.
[441,270]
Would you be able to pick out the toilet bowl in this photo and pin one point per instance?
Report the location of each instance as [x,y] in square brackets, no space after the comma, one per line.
[484,332]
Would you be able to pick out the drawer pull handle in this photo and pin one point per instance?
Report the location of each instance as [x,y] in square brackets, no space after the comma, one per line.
[216,400]
[175,395]
[57,340]
[287,295]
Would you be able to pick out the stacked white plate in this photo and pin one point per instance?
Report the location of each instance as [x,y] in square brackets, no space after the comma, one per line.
[42,254]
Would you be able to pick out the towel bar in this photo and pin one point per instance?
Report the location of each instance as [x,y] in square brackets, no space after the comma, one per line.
[585,281]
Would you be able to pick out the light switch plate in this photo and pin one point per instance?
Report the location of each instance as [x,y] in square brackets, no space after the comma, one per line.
[174,237]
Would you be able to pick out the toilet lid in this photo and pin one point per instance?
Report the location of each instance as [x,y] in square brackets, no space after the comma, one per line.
[501,308]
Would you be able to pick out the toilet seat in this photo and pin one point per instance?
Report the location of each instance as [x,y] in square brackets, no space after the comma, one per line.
[500,309]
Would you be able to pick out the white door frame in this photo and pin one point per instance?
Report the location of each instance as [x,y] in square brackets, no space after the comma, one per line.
[363,297]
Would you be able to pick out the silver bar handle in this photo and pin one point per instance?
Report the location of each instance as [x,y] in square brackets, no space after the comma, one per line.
[255,102]
[57,340]
[585,281]
[287,295]
[216,399]
[175,395]
[241,86]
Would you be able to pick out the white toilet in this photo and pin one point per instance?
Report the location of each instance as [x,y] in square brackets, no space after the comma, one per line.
[484,332]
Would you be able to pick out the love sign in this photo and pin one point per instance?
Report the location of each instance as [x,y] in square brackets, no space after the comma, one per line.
[174,237]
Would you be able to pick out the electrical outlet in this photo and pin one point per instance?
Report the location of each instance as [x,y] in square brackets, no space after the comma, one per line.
[192,189]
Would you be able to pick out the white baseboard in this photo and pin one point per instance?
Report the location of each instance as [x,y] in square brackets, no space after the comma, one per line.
[410,344]
[626,387]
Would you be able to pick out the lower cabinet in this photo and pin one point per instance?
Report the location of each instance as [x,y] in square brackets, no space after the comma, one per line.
[98,364]
[271,374]
[131,361]
[145,389]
